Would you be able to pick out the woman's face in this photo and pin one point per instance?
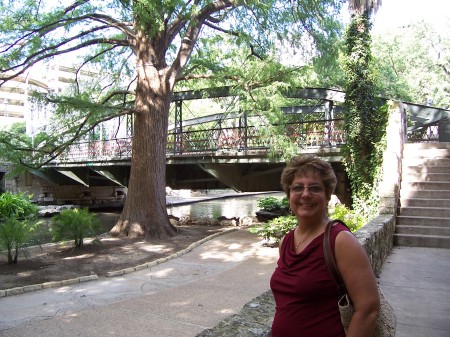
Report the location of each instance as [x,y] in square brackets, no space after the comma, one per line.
[307,197]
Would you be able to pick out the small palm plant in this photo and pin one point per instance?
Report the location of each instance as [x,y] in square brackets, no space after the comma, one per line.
[75,224]
[17,215]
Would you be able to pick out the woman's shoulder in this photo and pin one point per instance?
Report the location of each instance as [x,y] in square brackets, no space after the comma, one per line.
[341,233]
[339,226]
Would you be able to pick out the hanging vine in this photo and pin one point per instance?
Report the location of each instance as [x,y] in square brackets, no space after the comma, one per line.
[365,122]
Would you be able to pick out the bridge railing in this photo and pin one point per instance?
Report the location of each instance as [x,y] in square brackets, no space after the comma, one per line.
[99,150]
[427,133]
[305,135]
[317,133]
[309,134]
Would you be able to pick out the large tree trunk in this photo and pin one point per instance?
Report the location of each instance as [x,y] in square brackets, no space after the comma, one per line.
[145,211]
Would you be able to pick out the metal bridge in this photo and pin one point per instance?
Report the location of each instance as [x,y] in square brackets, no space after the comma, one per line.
[232,149]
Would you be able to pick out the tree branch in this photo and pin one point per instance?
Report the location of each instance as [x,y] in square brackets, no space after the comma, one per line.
[205,76]
[89,59]
[220,29]
[116,93]
[55,151]
[75,5]
[444,68]
[123,26]
[42,54]
[46,29]
[193,30]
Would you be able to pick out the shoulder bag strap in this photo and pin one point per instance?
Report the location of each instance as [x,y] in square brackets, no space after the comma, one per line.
[329,259]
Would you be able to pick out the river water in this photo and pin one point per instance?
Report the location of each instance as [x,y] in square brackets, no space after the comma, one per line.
[192,205]
[222,203]
[229,207]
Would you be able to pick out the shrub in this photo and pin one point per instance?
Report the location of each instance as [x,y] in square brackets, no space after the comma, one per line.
[16,226]
[277,228]
[74,224]
[17,206]
[271,204]
[353,220]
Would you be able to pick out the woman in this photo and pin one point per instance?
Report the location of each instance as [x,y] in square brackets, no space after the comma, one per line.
[304,290]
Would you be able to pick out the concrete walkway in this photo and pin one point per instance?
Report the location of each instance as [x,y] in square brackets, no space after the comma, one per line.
[195,291]
[416,281]
[180,297]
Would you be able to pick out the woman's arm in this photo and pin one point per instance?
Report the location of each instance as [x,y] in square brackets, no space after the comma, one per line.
[279,245]
[359,279]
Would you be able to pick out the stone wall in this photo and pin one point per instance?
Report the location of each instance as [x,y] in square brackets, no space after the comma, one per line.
[255,318]
[377,238]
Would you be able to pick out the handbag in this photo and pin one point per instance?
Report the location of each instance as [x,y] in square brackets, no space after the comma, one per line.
[386,321]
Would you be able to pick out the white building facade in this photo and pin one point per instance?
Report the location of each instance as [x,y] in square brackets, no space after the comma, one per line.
[17,106]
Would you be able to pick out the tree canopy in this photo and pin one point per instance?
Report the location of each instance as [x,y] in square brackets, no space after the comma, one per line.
[139,50]
[413,64]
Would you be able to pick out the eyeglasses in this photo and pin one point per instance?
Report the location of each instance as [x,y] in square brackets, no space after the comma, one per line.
[299,189]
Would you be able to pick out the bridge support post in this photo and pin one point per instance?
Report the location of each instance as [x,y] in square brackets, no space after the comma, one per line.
[178,130]
[329,105]
[243,131]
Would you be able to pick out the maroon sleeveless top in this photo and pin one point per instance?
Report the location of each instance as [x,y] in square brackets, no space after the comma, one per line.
[304,291]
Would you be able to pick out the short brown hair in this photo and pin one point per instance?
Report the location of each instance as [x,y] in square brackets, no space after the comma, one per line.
[309,164]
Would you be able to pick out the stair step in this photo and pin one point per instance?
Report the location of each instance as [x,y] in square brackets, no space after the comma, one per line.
[426,162]
[425,211]
[424,216]
[423,169]
[431,153]
[408,193]
[427,185]
[424,202]
[431,241]
[409,176]
[422,221]
[425,146]
[423,230]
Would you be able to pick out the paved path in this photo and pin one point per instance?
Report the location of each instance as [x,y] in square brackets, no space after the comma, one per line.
[196,291]
[416,282]
[181,297]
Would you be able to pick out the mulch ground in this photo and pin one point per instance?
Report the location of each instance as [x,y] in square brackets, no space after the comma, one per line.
[57,262]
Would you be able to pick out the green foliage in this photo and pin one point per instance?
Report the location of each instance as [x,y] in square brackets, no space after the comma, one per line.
[419,59]
[270,204]
[275,229]
[16,226]
[118,48]
[75,224]
[14,144]
[365,120]
[17,206]
[352,219]
[14,234]
[243,52]
[282,147]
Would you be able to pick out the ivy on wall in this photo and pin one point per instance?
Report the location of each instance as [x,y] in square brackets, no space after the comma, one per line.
[365,120]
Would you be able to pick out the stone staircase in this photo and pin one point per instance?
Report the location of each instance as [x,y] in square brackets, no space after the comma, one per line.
[423,218]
